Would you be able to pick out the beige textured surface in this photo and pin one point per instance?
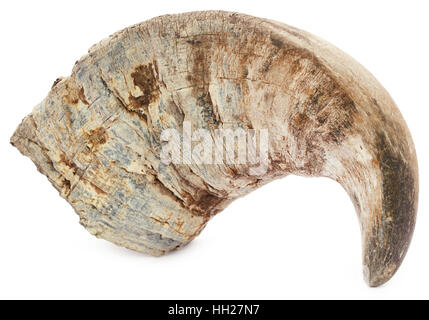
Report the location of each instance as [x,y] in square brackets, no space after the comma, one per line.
[97,134]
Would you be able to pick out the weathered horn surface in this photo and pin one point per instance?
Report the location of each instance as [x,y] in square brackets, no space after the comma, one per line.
[97,135]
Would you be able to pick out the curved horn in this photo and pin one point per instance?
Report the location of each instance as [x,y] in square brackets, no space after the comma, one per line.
[98,136]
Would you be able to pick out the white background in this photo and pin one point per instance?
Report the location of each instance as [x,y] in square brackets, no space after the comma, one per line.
[294,238]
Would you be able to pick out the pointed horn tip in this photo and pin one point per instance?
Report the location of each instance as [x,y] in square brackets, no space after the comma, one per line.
[378,276]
